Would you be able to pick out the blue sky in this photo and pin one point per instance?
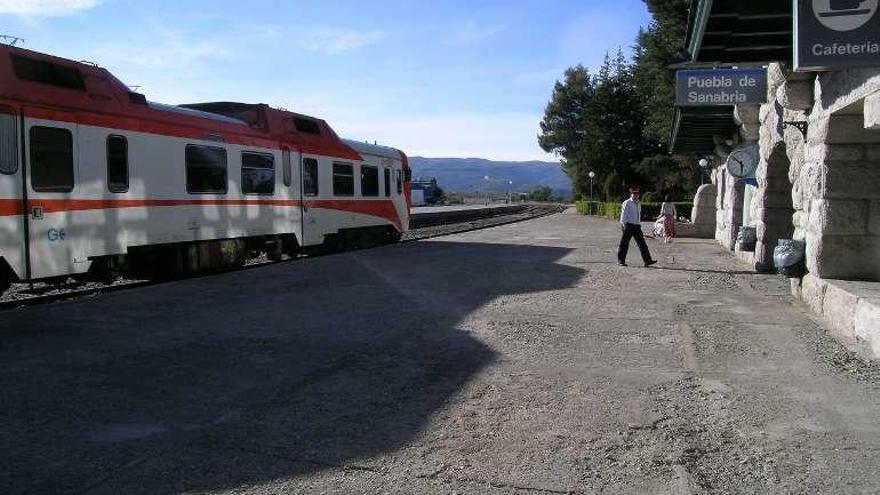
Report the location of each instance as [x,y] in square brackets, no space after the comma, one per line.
[435,78]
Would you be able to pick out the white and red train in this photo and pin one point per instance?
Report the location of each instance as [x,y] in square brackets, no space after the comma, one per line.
[94,177]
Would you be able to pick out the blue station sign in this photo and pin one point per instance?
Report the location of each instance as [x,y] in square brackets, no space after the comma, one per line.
[720,87]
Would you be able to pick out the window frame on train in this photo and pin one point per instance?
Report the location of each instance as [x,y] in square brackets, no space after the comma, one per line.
[307,125]
[347,179]
[189,167]
[369,181]
[46,72]
[38,169]
[286,172]
[311,185]
[121,159]
[387,182]
[399,177]
[8,141]
[267,159]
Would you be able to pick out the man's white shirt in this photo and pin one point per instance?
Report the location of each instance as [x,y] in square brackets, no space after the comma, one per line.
[631,212]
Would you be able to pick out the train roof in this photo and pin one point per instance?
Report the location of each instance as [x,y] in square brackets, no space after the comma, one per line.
[374,149]
[185,110]
[85,90]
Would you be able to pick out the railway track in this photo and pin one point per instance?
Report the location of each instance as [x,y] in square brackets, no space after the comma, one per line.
[23,295]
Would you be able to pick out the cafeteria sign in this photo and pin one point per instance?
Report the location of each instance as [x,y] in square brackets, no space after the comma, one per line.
[725,87]
[836,34]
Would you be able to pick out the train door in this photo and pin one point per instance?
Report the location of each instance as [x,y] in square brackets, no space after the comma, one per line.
[12,233]
[51,151]
[293,186]
[308,172]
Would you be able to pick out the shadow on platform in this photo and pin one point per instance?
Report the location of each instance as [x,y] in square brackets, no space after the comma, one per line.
[244,378]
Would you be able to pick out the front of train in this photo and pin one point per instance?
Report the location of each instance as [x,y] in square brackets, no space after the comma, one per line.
[11,203]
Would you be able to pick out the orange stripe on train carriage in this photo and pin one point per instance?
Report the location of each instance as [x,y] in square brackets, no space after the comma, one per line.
[167,128]
[10,207]
[378,208]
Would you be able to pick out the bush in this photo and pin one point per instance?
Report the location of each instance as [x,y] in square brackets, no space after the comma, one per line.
[650,211]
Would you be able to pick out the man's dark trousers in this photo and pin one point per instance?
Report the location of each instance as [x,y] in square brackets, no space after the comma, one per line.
[632,230]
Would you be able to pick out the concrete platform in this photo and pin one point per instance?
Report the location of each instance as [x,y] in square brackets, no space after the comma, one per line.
[851,309]
[519,359]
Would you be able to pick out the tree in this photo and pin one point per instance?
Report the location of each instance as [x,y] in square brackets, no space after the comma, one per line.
[594,123]
[566,121]
[618,122]
[544,194]
[658,47]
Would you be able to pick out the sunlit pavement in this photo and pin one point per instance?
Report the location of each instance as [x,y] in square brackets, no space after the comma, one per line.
[519,359]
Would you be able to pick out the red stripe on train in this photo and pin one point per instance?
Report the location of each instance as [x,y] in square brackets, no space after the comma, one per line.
[378,208]
[10,207]
[168,129]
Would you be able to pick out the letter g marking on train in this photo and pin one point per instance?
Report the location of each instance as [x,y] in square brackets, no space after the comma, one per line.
[56,235]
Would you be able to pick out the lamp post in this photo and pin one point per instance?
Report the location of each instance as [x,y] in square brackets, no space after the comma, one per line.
[509,187]
[486,178]
[592,175]
[704,164]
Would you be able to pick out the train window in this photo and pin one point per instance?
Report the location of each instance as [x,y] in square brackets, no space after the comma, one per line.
[117,164]
[369,181]
[387,182]
[257,173]
[307,126]
[205,169]
[399,182]
[310,177]
[51,159]
[44,72]
[285,163]
[8,143]
[343,179]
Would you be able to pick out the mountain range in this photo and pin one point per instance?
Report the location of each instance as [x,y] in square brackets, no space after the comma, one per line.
[469,174]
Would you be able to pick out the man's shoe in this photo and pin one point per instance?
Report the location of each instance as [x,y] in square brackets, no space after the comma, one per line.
[621,263]
[649,263]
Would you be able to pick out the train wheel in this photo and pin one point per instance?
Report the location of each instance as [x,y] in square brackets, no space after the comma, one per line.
[290,246]
[274,249]
[107,270]
[6,276]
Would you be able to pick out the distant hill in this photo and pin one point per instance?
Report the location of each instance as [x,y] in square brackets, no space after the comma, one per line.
[467,174]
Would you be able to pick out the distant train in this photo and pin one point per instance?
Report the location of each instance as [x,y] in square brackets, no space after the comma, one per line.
[95,178]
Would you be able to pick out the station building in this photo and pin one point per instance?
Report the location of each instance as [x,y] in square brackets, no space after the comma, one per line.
[818,146]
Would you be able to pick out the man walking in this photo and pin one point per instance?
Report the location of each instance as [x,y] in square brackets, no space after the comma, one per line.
[631,223]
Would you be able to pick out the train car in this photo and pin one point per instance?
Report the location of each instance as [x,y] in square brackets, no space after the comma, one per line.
[96,178]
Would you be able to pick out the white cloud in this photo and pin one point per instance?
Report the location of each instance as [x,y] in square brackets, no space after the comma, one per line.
[335,40]
[45,7]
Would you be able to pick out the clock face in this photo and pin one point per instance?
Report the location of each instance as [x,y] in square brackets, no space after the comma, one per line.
[743,162]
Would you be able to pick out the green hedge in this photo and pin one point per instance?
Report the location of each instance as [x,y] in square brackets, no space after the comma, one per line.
[650,211]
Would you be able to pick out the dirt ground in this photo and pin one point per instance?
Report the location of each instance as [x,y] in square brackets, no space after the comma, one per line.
[519,359]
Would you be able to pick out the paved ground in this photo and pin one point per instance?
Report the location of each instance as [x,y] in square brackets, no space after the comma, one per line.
[519,359]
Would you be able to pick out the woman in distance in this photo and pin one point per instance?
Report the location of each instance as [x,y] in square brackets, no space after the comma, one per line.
[668,216]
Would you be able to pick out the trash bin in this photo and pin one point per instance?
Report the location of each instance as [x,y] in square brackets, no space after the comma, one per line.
[788,256]
[746,238]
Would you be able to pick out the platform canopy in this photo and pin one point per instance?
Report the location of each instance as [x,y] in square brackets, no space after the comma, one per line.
[694,128]
[739,32]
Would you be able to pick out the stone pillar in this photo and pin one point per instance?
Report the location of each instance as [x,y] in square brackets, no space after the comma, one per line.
[703,215]
[734,196]
[838,187]
[781,149]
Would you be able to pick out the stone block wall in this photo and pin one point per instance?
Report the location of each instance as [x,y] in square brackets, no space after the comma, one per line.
[839,184]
